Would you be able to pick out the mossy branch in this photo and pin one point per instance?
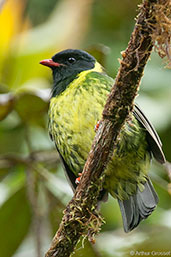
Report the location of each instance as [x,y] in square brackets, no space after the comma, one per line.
[81,217]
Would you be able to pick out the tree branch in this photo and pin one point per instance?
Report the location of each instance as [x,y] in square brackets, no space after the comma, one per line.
[80,216]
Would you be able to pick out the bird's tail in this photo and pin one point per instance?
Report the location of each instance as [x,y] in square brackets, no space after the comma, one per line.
[138,206]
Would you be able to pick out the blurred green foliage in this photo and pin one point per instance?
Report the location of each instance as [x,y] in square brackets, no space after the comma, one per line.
[33,189]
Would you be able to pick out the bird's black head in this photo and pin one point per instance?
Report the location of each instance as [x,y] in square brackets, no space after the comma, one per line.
[66,65]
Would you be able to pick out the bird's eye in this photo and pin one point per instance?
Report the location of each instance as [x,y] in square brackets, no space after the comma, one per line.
[71,60]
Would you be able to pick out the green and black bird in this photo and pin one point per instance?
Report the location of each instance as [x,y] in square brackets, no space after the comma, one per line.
[80,89]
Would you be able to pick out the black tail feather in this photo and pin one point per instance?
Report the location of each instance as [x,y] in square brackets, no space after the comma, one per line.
[138,207]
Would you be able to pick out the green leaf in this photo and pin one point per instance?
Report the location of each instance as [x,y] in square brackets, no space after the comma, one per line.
[164,197]
[31,108]
[57,186]
[3,89]
[111,212]
[56,208]
[6,104]
[157,242]
[15,219]
[12,139]
[100,52]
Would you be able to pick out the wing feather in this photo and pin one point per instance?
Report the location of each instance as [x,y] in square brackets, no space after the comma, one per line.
[152,136]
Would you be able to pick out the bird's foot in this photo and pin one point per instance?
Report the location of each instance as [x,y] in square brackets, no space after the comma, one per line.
[77,181]
[97,126]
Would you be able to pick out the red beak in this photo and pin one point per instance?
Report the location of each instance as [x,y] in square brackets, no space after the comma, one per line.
[50,63]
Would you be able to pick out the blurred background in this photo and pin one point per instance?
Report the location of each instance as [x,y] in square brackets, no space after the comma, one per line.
[33,189]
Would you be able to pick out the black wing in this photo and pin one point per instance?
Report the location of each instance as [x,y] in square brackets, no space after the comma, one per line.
[152,136]
[68,173]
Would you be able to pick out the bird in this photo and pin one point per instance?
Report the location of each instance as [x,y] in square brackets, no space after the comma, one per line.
[79,92]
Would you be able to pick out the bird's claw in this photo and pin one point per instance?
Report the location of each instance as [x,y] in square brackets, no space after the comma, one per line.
[77,181]
[97,126]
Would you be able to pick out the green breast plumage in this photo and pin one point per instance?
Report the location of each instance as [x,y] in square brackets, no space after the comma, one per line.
[72,117]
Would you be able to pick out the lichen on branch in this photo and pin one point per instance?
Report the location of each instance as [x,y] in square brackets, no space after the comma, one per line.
[161,30]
